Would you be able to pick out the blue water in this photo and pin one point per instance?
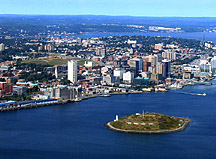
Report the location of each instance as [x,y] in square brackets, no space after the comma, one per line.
[196,35]
[77,131]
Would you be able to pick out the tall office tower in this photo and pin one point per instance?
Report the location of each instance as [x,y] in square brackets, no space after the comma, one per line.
[2,47]
[166,68]
[119,73]
[205,66]
[72,71]
[145,66]
[154,59]
[213,64]
[159,68]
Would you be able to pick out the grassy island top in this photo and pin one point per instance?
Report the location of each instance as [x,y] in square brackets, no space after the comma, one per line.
[149,122]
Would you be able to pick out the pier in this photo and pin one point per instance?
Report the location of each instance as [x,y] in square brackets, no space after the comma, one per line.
[12,105]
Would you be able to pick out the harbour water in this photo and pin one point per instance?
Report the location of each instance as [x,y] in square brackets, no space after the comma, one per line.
[207,36]
[77,131]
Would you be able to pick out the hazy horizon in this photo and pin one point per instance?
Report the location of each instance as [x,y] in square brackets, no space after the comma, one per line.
[107,15]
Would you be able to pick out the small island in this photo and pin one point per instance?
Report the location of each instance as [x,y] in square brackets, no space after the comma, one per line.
[148,123]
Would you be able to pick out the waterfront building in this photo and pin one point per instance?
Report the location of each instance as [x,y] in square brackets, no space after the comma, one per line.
[19,90]
[62,92]
[108,80]
[142,81]
[128,77]
[72,71]
[6,89]
[119,73]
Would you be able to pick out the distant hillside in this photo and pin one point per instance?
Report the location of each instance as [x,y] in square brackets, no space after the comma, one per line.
[32,25]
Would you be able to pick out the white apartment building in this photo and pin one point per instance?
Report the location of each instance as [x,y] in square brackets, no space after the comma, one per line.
[72,71]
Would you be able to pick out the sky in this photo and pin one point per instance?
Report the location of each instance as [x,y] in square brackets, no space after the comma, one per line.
[156,8]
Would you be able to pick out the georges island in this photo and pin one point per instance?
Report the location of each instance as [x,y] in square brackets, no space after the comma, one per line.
[149,123]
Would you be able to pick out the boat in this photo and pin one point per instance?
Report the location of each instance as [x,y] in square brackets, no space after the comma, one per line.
[146,89]
[160,90]
[77,99]
[204,94]
[105,95]
[176,86]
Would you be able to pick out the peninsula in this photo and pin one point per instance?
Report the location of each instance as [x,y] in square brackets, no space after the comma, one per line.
[148,123]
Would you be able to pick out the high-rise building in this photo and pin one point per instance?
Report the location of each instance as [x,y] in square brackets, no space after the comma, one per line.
[128,77]
[205,66]
[213,64]
[159,68]
[154,59]
[169,55]
[72,71]
[146,65]
[166,68]
[119,73]
[2,47]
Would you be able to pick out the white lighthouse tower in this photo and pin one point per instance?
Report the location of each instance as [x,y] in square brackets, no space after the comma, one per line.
[116,119]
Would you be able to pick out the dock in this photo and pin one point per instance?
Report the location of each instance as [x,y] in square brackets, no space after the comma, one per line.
[13,105]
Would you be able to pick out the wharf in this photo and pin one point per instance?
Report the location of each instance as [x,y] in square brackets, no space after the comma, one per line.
[29,104]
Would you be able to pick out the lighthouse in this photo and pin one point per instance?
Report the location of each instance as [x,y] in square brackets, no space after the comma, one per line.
[116,119]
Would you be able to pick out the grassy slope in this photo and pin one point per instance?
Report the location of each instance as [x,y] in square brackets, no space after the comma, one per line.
[158,122]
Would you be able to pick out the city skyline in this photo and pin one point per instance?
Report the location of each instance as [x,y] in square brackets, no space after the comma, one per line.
[156,8]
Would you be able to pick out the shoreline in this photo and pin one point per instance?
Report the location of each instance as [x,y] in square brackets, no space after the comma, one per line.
[182,128]
[12,108]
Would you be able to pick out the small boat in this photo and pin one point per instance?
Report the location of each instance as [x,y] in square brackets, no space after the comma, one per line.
[77,100]
[204,94]
[105,95]
[160,90]
[146,89]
